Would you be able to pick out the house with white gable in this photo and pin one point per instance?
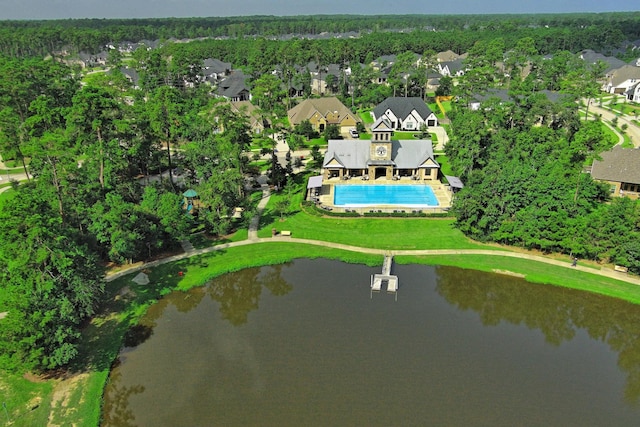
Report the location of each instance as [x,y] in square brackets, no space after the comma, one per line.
[405,113]
[633,93]
[453,68]
[621,79]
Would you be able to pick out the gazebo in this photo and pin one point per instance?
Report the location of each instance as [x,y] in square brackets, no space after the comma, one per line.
[190,199]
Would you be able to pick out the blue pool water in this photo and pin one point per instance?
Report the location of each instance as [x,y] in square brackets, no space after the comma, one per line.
[370,195]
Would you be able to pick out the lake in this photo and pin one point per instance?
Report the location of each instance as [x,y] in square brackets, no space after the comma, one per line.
[307,343]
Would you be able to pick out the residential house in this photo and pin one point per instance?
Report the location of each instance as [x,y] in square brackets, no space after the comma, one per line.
[633,93]
[87,60]
[381,157]
[622,79]
[382,75]
[591,57]
[256,121]
[620,167]
[234,87]
[319,74]
[453,68]
[447,56]
[322,112]
[132,75]
[405,113]
[214,70]
[383,62]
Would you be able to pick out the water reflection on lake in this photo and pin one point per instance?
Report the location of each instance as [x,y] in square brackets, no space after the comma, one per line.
[307,344]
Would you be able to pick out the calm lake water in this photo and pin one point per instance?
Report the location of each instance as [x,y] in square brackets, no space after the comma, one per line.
[307,344]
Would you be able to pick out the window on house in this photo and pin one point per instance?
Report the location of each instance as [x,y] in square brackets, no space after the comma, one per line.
[409,125]
[630,187]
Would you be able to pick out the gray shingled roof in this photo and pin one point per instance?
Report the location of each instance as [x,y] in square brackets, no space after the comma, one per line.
[233,85]
[215,65]
[591,57]
[355,154]
[618,165]
[402,107]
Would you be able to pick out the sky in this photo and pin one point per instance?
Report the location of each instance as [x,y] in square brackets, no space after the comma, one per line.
[61,9]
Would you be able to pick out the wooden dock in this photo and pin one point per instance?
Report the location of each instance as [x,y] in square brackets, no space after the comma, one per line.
[386,277]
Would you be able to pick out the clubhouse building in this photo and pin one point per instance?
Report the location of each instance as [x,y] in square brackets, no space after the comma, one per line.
[381,158]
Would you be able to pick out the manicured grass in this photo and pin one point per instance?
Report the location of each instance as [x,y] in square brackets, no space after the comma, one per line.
[625,108]
[405,135]
[199,270]
[610,135]
[6,195]
[627,141]
[27,402]
[445,167]
[446,105]
[379,233]
[536,272]
[366,116]
[317,141]
[261,165]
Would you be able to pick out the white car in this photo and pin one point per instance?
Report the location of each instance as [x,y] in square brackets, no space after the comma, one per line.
[353,133]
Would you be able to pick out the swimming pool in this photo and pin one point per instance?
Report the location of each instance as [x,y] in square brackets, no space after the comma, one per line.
[372,194]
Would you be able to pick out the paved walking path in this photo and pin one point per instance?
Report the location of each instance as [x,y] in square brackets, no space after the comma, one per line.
[419,252]
[255,221]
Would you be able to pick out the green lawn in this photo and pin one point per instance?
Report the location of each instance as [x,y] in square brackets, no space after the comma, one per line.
[627,141]
[445,167]
[405,135]
[27,402]
[6,195]
[626,108]
[610,135]
[379,233]
[366,117]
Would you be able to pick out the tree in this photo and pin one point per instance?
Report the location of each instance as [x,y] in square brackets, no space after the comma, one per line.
[331,132]
[49,283]
[281,205]
[98,124]
[446,86]
[267,91]
[166,116]
[306,129]
[24,81]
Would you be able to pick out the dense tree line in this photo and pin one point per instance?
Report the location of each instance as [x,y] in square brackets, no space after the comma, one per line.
[571,32]
[94,152]
[522,163]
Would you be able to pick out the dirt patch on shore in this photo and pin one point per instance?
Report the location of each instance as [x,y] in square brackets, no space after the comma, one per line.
[62,393]
[508,273]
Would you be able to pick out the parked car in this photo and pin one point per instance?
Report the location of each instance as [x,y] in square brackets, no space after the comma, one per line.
[353,133]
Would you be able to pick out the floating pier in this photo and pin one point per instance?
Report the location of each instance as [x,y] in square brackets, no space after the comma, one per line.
[386,277]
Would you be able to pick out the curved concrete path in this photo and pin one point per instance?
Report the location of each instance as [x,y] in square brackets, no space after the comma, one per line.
[418,252]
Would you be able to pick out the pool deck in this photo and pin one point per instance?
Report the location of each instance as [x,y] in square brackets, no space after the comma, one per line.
[441,191]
